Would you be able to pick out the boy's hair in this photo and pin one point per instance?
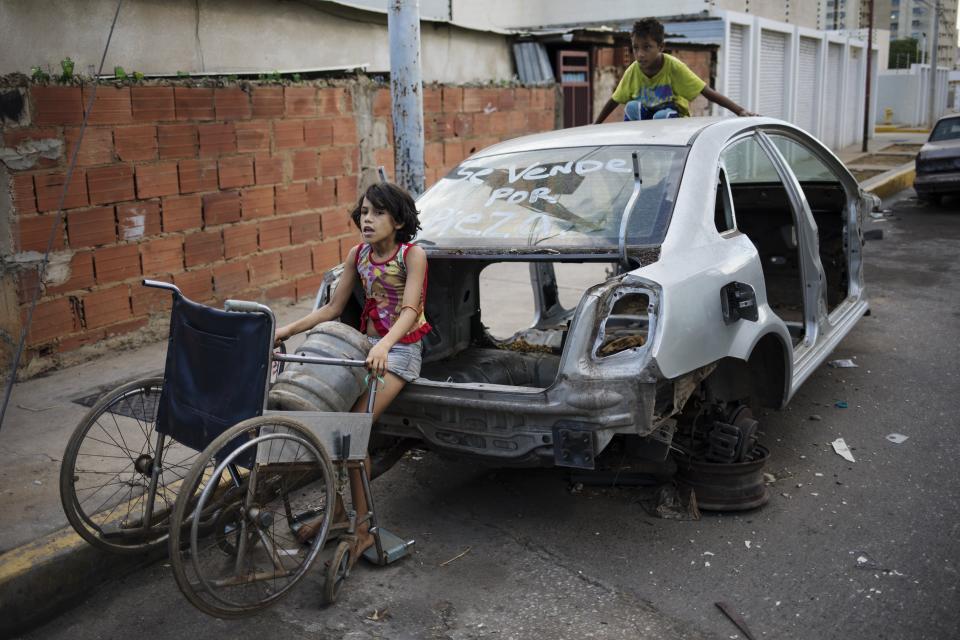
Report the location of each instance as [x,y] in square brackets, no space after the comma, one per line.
[649,28]
[391,198]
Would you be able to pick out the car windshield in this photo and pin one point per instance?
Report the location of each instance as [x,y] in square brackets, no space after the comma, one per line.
[946,130]
[564,199]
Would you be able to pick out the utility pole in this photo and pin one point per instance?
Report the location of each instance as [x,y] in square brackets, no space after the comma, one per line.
[866,102]
[934,51]
[406,92]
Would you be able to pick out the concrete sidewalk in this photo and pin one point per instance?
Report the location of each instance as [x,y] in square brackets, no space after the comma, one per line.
[888,164]
[44,565]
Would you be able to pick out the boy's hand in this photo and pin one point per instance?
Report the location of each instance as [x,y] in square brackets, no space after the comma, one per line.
[377,359]
[744,113]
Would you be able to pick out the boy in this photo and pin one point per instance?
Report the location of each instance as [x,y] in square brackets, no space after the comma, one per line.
[658,85]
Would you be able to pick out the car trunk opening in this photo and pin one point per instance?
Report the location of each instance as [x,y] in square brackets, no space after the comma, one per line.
[503,323]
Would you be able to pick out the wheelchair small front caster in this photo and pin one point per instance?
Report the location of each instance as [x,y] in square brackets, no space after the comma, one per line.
[337,572]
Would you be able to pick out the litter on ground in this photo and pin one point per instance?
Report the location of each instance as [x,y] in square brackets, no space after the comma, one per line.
[843,364]
[897,438]
[842,450]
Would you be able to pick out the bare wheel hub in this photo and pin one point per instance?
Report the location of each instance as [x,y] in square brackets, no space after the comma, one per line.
[144,464]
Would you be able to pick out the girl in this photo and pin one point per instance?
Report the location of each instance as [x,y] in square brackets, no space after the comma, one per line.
[394,277]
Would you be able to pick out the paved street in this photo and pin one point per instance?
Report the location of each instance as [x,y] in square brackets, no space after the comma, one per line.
[860,550]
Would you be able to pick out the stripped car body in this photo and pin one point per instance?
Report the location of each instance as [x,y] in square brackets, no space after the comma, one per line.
[734,274]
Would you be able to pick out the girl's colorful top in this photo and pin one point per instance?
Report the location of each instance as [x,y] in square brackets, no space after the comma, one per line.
[384,283]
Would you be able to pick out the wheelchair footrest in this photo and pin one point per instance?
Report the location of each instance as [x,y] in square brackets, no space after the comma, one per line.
[393,546]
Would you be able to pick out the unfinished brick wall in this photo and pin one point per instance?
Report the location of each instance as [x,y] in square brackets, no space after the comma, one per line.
[226,192]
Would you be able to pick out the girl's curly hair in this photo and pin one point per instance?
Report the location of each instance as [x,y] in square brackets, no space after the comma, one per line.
[389,197]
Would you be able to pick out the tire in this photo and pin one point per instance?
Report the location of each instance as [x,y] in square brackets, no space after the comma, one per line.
[106,471]
[229,569]
[337,572]
[385,452]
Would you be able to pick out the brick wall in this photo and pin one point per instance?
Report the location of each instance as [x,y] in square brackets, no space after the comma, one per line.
[239,192]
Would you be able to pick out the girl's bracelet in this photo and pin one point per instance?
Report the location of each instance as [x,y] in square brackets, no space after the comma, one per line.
[411,307]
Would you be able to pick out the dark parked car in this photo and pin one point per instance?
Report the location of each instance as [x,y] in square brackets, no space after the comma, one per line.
[938,163]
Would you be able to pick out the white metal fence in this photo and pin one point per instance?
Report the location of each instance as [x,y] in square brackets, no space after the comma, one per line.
[906,93]
[814,79]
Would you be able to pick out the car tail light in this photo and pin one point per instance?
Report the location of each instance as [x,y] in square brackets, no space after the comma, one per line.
[627,325]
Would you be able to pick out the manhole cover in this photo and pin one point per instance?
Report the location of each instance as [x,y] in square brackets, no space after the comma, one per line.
[130,410]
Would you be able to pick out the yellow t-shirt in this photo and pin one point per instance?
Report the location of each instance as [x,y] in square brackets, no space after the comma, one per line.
[675,83]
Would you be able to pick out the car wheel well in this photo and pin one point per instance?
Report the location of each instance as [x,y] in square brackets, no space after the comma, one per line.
[761,379]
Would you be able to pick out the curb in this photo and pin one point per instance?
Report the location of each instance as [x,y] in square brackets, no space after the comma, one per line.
[892,129]
[890,182]
[45,577]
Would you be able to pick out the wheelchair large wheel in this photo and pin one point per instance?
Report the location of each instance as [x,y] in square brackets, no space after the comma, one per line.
[271,477]
[107,483]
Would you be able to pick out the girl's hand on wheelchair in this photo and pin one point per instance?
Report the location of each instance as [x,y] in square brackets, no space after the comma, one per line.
[279,337]
[377,359]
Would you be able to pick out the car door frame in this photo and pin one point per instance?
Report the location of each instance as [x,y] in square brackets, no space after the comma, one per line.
[830,328]
[811,272]
[852,211]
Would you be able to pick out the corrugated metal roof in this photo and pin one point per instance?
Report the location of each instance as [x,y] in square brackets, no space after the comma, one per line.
[695,32]
[699,31]
[533,66]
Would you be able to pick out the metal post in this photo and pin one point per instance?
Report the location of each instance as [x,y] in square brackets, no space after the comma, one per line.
[935,10]
[866,102]
[406,91]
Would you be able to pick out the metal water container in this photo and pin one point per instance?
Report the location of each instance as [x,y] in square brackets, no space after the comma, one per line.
[315,387]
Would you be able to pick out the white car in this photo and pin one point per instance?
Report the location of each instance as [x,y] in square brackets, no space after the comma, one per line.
[734,267]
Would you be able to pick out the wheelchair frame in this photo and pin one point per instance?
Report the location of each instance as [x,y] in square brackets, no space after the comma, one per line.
[223,502]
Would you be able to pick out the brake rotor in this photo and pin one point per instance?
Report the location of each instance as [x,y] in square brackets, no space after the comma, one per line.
[734,440]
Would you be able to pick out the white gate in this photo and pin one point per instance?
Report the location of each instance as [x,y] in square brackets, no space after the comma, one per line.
[735,67]
[773,61]
[807,73]
[833,91]
[854,102]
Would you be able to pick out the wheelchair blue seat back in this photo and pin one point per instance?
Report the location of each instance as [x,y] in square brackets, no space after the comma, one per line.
[216,371]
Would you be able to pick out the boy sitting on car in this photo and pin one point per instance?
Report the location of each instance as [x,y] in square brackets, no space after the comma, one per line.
[657,85]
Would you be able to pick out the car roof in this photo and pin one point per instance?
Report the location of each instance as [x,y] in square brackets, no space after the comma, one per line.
[673,131]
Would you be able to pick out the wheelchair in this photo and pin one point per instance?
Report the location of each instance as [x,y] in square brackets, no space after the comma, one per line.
[245,498]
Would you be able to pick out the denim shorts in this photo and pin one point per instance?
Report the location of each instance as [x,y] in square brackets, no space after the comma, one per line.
[634,110]
[404,360]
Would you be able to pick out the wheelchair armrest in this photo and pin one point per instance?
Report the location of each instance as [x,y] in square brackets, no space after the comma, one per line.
[247,307]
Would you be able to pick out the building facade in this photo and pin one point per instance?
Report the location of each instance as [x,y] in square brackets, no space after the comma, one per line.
[913,19]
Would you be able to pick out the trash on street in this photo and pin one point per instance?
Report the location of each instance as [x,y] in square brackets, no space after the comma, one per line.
[843,364]
[842,450]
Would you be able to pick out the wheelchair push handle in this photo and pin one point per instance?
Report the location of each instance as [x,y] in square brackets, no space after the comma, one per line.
[159,284]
